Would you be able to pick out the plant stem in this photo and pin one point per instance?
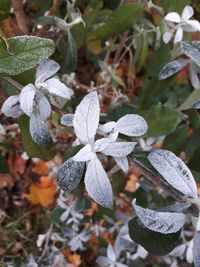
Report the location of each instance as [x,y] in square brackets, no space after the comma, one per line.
[14,83]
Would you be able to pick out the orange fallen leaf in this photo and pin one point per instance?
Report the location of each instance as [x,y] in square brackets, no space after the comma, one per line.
[131,185]
[42,193]
[72,257]
[41,168]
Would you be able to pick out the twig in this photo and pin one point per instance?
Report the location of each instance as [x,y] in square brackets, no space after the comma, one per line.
[19,13]
[47,239]
[194,210]
[14,83]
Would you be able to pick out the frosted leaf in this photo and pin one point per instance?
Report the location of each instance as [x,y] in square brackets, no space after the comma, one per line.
[174,170]
[84,154]
[119,149]
[194,77]
[86,118]
[69,174]
[57,101]
[45,70]
[192,50]
[110,253]
[107,127]
[196,104]
[198,224]
[38,130]
[43,105]
[173,17]
[26,98]
[132,125]
[172,67]
[162,222]
[189,252]
[97,184]
[101,144]
[11,107]
[67,120]
[57,88]
[122,163]
[187,13]
[178,36]
[196,250]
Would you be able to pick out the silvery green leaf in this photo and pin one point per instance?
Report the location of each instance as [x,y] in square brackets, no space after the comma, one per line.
[69,174]
[45,70]
[97,183]
[101,144]
[111,253]
[38,129]
[132,125]
[189,252]
[85,154]
[119,149]
[162,222]
[172,67]
[43,106]
[55,87]
[11,107]
[26,99]
[196,104]
[196,250]
[57,101]
[174,171]
[107,127]
[194,77]
[122,162]
[192,50]
[67,120]
[86,118]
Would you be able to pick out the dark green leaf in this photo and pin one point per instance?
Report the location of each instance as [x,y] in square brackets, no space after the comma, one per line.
[71,151]
[27,52]
[161,120]
[120,21]
[71,60]
[174,5]
[46,152]
[154,242]
[4,9]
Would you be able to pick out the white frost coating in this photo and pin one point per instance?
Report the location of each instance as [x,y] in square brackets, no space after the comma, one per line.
[11,107]
[45,70]
[196,250]
[162,222]
[196,104]
[97,184]
[119,149]
[86,118]
[122,163]
[107,127]
[43,105]
[172,67]
[192,50]
[132,125]
[57,88]
[67,120]
[26,98]
[85,154]
[175,172]
[101,144]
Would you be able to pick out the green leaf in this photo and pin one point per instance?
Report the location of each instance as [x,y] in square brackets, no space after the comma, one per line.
[71,151]
[120,21]
[71,60]
[27,52]
[154,242]
[4,168]
[161,120]
[34,150]
[195,95]
[177,140]
[4,9]
[174,5]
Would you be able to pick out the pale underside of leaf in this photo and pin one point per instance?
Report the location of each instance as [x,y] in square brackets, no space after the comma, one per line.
[86,118]
[97,184]
[26,99]
[122,162]
[69,174]
[132,125]
[196,250]
[46,69]
[174,171]
[11,107]
[172,68]
[43,105]
[192,50]
[119,149]
[162,222]
[85,154]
